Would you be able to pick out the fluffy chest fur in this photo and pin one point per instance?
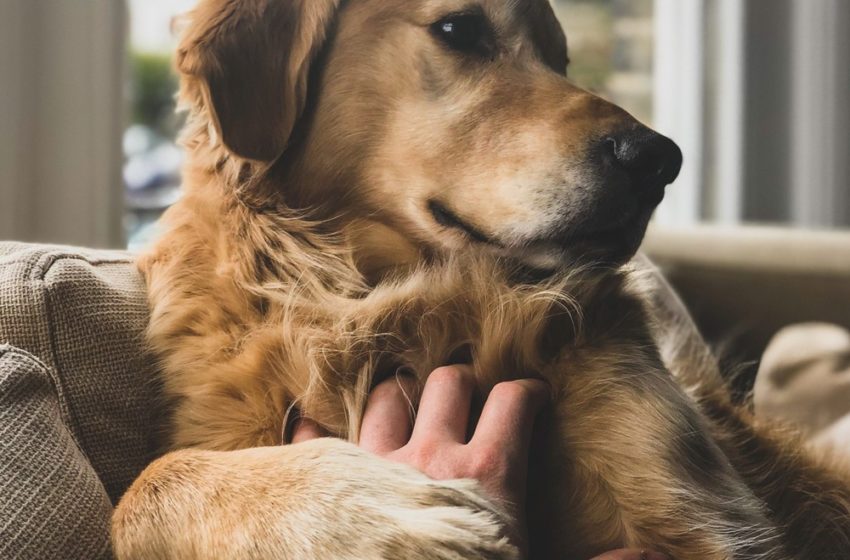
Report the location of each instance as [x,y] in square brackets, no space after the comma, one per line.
[257,313]
[254,313]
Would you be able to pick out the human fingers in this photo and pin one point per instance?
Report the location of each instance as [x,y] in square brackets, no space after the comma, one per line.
[444,409]
[305,430]
[388,420]
[507,420]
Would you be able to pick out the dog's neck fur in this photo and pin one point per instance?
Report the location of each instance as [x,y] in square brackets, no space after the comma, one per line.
[355,251]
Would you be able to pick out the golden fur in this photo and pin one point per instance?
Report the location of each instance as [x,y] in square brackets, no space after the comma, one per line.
[301,267]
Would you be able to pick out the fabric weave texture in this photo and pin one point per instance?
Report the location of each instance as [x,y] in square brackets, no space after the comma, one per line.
[78,420]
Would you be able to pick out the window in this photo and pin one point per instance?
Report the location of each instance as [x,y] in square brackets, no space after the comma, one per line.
[152,158]
[755,92]
[611,47]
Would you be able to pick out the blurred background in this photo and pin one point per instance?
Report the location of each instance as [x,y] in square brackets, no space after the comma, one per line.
[756,92]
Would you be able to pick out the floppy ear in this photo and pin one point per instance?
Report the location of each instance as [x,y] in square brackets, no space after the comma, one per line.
[549,35]
[251,60]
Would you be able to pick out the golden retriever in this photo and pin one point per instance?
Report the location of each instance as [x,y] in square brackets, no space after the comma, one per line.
[384,185]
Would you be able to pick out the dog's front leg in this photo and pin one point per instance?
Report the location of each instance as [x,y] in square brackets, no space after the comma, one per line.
[321,499]
[635,464]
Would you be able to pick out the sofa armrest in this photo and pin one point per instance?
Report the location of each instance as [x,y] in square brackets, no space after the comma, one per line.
[749,282]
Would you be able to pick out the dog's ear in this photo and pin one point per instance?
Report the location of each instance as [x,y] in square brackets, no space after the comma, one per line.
[549,35]
[250,60]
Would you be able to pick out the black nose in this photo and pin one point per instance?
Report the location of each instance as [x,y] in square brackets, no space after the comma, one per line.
[651,161]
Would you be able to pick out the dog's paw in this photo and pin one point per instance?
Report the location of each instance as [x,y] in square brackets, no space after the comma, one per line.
[319,499]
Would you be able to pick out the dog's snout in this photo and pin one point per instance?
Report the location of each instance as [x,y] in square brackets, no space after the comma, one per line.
[652,161]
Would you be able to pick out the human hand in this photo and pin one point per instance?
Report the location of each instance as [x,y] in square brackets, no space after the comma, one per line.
[436,443]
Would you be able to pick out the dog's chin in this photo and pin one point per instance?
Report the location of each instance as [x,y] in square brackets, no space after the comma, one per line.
[545,260]
[603,249]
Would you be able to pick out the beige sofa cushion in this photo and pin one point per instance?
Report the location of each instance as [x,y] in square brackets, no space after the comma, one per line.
[750,282]
[77,423]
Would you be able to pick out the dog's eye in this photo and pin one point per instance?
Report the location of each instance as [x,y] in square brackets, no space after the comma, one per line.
[463,32]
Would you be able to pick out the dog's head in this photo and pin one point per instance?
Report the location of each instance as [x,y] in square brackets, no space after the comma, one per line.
[450,122]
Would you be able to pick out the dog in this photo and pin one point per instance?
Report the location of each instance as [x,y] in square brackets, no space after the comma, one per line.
[384,185]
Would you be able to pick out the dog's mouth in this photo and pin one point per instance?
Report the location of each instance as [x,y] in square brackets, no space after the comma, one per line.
[611,245]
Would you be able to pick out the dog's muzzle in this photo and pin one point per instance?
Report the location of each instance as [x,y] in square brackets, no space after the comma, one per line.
[630,172]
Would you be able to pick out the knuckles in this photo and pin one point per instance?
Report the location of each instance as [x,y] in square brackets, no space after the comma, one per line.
[389,389]
[487,464]
[452,377]
[512,391]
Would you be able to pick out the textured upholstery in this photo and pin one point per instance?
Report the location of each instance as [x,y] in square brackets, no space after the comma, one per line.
[77,423]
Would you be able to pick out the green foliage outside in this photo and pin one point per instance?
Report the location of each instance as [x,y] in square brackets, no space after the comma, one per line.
[588,24]
[153,88]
